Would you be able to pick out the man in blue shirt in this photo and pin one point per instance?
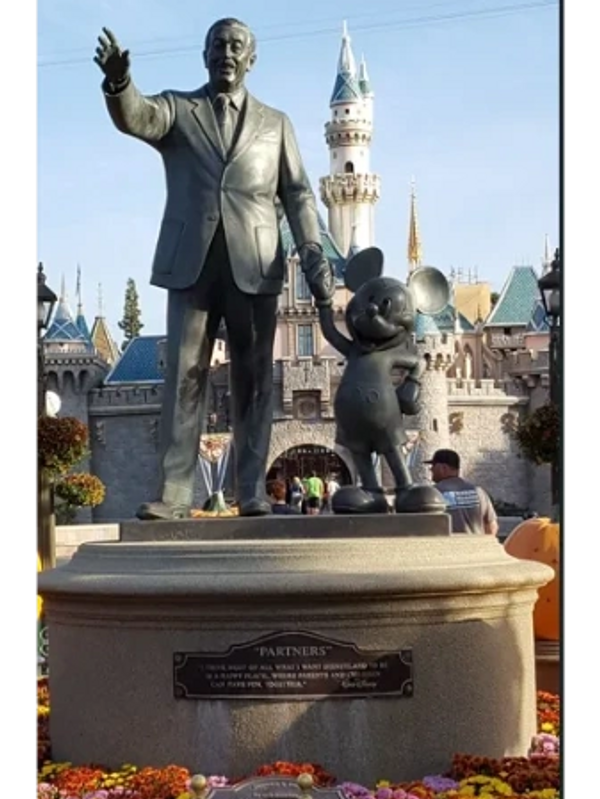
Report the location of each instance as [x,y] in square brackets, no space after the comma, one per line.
[469,505]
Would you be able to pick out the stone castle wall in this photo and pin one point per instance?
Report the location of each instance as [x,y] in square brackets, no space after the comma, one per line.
[481,418]
[124,439]
[124,428]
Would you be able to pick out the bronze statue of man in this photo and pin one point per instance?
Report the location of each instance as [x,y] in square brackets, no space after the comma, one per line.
[229,161]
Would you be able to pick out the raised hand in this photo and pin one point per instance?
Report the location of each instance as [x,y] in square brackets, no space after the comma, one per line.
[113,61]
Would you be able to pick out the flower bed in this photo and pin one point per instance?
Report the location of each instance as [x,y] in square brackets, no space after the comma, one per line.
[534,777]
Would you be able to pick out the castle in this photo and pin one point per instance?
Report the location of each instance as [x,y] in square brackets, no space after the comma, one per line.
[487,364]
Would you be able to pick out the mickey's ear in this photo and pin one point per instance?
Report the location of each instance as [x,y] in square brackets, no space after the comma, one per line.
[430,290]
[362,267]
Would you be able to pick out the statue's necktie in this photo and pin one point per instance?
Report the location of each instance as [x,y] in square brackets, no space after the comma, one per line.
[224,119]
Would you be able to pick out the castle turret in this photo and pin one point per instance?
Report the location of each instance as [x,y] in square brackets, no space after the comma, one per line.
[432,422]
[437,349]
[351,190]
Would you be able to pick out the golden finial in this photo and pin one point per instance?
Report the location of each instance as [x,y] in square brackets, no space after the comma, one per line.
[199,785]
[306,783]
[415,256]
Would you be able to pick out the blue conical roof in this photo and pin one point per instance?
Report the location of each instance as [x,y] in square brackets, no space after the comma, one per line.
[63,327]
[82,325]
[346,88]
[425,325]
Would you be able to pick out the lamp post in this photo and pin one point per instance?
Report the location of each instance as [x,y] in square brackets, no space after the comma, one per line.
[46,300]
[550,286]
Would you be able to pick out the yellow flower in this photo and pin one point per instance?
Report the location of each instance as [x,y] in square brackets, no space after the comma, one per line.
[383,784]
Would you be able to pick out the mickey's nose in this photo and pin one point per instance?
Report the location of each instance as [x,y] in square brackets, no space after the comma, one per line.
[372,310]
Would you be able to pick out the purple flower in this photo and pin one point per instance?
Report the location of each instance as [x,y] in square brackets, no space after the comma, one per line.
[355,791]
[384,793]
[438,783]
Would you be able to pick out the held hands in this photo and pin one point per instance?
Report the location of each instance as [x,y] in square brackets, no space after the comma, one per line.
[319,274]
[113,61]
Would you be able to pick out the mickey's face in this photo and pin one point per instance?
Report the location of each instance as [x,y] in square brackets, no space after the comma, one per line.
[380,310]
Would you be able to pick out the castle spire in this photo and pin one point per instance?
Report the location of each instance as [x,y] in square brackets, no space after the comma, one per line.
[346,62]
[547,259]
[100,302]
[354,245]
[346,88]
[363,79]
[63,311]
[78,292]
[415,255]
[79,317]
[101,337]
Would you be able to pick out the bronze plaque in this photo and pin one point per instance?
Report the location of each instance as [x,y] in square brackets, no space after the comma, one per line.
[272,788]
[292,665]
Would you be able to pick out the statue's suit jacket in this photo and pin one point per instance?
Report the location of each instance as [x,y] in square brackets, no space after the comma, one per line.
[206,186]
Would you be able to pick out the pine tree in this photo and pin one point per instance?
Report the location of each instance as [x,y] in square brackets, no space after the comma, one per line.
[131,323]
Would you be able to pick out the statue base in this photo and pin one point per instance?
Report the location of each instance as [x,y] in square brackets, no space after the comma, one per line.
[219,649]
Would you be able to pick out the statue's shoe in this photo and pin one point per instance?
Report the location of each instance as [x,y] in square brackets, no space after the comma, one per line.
[420,498]
[255,507]
[162,511]
[353,499]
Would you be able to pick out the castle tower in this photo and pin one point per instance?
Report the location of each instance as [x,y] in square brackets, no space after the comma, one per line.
[438,351]
[432,422]
[351,190]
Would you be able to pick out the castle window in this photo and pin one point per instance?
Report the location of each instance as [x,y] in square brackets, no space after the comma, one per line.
[349,167]
[347,111]
[306,344]
[302,289]
[435,426]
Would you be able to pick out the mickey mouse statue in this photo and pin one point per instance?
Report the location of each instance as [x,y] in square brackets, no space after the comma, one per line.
[369,407]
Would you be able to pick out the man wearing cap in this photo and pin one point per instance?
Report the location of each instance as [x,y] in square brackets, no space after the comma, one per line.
[469,505]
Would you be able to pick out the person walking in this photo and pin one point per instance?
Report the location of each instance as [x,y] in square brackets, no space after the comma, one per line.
[314,494]
[276,491]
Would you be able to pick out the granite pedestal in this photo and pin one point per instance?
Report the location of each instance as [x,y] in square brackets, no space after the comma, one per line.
[457,607]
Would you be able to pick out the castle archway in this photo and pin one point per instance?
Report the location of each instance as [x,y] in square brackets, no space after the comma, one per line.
[292,435]
[303,460]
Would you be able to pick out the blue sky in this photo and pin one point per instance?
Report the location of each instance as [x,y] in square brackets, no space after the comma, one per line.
[466,101]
